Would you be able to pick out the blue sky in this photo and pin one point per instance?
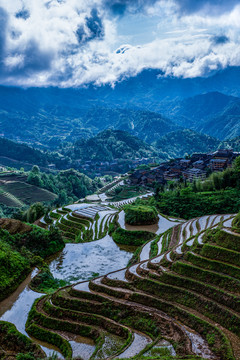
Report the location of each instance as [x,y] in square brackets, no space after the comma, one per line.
[71,43]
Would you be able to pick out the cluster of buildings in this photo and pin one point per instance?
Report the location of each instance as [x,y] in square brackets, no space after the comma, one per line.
[194,168]
[113,167]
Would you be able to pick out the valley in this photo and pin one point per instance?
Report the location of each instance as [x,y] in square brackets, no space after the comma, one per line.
[119,224]
[170,299]
[120,180]
[114,131]
[97,257]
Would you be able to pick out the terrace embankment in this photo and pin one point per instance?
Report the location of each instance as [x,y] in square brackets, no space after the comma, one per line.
[188,295]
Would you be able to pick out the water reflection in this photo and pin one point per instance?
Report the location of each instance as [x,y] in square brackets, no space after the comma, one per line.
[16,307]
[82,261]
[158,228]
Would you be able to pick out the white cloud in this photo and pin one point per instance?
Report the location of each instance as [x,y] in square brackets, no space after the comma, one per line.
[43,49]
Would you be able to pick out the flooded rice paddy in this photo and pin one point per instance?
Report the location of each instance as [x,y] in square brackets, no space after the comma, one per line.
[77,262]
[80,262]
[163,224]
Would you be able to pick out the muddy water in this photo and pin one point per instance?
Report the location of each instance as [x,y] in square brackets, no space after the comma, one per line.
[158,228]
[16,307]
[75,263]
[18,304]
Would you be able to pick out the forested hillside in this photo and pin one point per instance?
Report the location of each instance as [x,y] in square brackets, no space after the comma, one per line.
[225,125]
[109,145]
[195,110]
[146,125]
[182,142]
[233,144]
[68,185]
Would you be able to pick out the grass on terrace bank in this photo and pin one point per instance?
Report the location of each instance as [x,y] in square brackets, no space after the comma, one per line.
[132,238]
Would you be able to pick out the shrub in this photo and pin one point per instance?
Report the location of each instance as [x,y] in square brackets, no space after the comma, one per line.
[140,215]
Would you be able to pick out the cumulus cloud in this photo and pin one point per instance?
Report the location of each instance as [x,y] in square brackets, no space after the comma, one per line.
[74,42]
[93,28]
[3,31]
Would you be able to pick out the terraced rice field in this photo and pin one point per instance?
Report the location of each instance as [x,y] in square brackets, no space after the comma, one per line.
[15,192]
[121,203]
[82,222]
[185,299]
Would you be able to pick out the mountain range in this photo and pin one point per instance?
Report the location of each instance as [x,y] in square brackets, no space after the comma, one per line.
[109,145]
[173,116]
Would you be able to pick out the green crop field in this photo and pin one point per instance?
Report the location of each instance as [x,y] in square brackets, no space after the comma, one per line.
[17,193]
[9,200]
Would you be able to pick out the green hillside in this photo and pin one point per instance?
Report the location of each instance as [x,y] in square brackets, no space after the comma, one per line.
[21,248]
[181,142]
[23,153]
[231,144]
[109,145]
[16,192]
[225,125]
[146,125]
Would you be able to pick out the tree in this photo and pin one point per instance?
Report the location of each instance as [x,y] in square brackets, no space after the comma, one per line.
[34,179]
[35,212]
[62,197]
[236,165]
[35,169]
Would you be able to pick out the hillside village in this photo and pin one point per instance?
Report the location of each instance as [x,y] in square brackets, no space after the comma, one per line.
[112,167]
[196,167]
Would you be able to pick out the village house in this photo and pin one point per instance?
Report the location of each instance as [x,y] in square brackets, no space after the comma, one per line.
[200,156]
[194,174]
[170,175]
[218,164]
[185,163]
[200,164]
[193,168]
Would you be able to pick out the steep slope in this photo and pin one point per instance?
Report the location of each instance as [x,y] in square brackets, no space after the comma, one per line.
[16,192]
[48,116]
[146,125]
[214,113]
[194,110]
[225,125]
[24,154]
[231,144]
[187,295]
[181,142]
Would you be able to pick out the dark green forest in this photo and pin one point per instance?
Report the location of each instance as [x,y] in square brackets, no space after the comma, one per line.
[109,145]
